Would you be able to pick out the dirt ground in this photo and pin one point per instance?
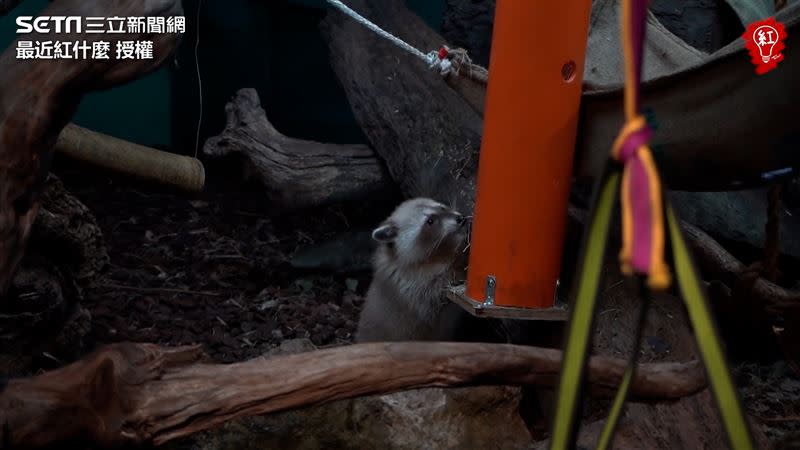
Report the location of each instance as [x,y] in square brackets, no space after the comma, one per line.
[213,269]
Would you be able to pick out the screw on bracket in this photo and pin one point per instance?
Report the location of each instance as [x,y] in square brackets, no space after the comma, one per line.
[491,284]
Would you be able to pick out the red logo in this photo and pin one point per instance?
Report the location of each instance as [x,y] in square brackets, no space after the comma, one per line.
[764,39]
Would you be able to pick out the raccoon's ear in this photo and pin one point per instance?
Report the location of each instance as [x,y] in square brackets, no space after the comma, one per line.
[386,232]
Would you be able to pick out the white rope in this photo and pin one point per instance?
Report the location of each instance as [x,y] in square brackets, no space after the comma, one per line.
[432,58]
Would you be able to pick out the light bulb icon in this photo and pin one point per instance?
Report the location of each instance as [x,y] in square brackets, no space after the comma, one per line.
[765,38]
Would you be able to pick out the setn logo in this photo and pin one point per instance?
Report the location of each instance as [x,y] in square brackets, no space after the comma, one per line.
[42,24]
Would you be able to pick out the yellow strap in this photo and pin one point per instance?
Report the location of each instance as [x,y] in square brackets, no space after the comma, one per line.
[708,341]
[582,313]
[580,329]
[625,385]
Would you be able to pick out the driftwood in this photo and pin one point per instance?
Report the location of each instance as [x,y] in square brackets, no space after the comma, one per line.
[142,393]
[145,163]
[43,314]
[428,134]
[37,98]
[296,173]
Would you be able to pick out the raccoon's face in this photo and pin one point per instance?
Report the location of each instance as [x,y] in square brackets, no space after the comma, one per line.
[422,231]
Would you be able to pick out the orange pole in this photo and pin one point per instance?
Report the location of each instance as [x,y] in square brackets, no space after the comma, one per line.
[531,118]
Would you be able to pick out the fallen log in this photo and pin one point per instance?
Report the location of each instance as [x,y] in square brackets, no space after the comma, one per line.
[145,163]
[295,173]
[37,99]
[142,393]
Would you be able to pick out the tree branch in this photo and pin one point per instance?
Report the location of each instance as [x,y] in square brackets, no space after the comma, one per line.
[142,393]
[37,99]
[296,173]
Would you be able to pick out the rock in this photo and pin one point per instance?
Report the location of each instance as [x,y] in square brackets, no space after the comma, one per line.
[305,285]
[482,417]
[346,253]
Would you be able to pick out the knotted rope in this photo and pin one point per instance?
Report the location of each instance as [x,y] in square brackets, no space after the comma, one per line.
[444,60]
[641,200]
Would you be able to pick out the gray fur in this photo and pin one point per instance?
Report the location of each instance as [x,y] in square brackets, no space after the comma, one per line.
[412,270]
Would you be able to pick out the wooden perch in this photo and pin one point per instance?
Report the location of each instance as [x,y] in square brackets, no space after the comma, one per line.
[182,172]
[296,173]
[37,99]
[142,393]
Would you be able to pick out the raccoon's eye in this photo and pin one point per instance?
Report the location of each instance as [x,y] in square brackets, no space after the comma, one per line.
[431,220]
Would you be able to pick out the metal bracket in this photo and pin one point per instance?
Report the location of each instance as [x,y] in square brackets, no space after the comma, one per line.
[491,285]
[488,309]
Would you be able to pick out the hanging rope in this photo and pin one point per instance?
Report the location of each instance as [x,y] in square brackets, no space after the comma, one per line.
[444,60]
[642,210]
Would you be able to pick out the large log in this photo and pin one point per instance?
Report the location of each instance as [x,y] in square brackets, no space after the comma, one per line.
[142,393]
[295,173]
[428,134]
[37,99]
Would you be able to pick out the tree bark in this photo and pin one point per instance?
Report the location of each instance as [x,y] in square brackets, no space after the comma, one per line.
[43,313]
[296,173]
[141,393]
[427,133]
[37,98]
